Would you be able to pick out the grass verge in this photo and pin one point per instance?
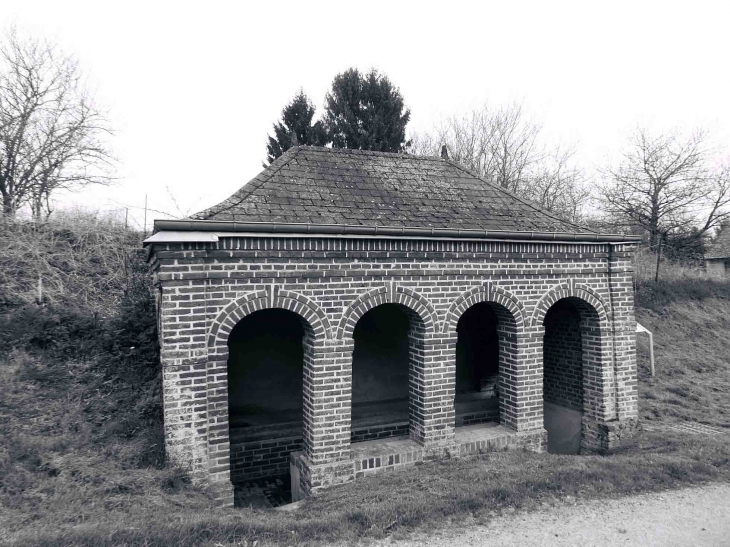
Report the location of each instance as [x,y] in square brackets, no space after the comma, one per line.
[425,496]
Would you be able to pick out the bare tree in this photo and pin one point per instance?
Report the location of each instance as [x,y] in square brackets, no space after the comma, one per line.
[51,133]
[503,145]
[668,185]
[559,185]
[500,144]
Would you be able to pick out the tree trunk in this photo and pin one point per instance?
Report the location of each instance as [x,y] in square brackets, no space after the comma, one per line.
[37,209]
[658,258]
[654,234]
[8,209]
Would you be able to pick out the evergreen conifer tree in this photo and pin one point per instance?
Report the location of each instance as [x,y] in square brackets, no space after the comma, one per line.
[296,118]
[365,112]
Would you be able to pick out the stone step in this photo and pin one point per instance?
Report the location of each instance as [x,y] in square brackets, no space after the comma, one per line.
[382,455]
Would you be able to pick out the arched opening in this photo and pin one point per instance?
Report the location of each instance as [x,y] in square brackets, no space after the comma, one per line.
[267,350]
[385,339]
[571,350]
[485,337]
[477,366]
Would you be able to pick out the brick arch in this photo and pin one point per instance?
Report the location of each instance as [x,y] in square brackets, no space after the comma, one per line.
[273,297]
[390,294]
[316,330]
[568,290]
[596,365]
[483,293]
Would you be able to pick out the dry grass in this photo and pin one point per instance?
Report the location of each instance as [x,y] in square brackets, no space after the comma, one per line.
[78,255]
[692,349]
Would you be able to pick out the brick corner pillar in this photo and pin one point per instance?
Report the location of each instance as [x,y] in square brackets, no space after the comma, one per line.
[185,411]
[620,419]
[326,459]
[219,445]
[195,421]
[183,359]
[521,377]
[432,390]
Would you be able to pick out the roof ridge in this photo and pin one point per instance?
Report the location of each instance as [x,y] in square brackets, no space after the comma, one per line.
[522,200]
[360,152]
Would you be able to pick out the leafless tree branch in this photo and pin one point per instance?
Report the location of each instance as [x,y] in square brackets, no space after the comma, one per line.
[668,185]
[51,133]
[503,145]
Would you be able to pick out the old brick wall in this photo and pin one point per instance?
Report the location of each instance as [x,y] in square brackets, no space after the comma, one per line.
[563,359]
[623,325]
[331,282]
[254,456]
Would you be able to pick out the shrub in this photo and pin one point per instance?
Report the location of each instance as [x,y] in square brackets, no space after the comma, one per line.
[657,294]
[132,332]
[57,331]
[677,281]
[132,353]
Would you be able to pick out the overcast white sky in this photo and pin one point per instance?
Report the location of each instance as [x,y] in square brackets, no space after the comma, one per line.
[193,88]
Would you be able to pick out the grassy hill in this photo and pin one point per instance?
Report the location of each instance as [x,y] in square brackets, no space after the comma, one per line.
[690,320]
[82,461]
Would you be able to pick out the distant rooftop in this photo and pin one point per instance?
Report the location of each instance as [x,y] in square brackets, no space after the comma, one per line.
[330,186]
[720,248]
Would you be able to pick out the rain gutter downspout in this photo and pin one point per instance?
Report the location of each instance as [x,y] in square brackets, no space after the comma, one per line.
[614,360]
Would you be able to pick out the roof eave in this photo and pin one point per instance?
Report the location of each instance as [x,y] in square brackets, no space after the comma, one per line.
[391,231]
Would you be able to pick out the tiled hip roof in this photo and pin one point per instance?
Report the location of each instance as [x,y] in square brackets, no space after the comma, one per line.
[313,185]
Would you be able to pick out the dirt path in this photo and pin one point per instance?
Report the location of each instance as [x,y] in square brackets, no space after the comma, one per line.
[693,516]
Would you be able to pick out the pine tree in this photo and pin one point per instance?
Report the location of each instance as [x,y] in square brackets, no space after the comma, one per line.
[366,112]
[296,117]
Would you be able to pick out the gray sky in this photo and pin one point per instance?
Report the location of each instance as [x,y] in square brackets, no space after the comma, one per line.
[193,88]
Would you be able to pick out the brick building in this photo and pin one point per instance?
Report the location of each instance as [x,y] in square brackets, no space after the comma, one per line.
[717,255]
[350,312]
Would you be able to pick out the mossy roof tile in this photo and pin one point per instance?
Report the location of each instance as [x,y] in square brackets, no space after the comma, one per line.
[358,187]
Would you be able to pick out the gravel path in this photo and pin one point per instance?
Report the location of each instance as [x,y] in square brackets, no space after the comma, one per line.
[695,517]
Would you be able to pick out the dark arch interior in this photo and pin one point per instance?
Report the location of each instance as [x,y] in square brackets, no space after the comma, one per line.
[563,377]
[380,370]
[265,369]
[477,366]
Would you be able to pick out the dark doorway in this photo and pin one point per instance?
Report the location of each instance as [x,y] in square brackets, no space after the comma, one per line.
[380,373]
[265,368]
[265,384]
[477,366]
[563,377]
